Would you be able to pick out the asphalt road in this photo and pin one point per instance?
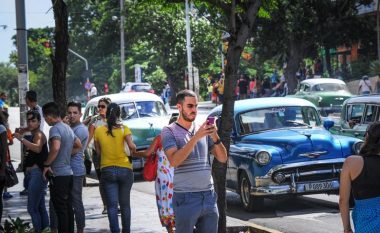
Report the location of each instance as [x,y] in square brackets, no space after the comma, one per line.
[311,214]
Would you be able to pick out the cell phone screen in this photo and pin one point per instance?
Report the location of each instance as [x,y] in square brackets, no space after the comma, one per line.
[210,120]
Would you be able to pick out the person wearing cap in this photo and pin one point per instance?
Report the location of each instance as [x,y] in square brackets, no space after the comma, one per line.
[365,86]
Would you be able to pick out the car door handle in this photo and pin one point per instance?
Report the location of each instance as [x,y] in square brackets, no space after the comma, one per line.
[357,134]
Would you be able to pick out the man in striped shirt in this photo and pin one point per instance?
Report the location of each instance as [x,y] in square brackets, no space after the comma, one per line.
[187,146]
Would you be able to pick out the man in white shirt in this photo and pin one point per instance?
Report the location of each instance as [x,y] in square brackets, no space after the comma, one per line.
[365,86]
[93,91]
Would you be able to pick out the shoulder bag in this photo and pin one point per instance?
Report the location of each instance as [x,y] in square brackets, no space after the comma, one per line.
[10,175]
[151,163]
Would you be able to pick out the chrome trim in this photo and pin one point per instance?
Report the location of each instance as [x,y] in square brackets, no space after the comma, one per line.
[314,154]
[296,188]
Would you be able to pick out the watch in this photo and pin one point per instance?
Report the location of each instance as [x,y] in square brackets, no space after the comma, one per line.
[217,142]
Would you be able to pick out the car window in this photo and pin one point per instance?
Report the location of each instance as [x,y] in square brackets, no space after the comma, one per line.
[307,88]
[330,87]
[128,111]
[277,117]
[150,109]
[354,114]
[370,115]
[138,88]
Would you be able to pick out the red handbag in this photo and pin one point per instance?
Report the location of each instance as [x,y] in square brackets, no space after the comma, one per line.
[151,163]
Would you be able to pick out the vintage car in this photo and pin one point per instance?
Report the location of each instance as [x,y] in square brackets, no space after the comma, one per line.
[279,147]
[137,87]
[144,113]
[327,94]
[357,113]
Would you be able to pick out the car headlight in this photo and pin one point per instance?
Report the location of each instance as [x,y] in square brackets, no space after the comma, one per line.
[263,157]
[356,147]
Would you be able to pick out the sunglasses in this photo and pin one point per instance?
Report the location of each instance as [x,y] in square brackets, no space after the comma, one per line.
[102,106]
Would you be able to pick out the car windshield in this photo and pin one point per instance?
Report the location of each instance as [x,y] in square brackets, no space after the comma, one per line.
[330,87]
[278,117]
[142,109]
[138,88]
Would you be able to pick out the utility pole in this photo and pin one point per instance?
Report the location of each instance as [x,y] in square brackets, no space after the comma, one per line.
[122,50]
[188,48]
[378,29]
[22,59]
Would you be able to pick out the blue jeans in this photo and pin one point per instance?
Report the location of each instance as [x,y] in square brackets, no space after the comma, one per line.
[117,183]
[197,209]
[36,199]
[77,202]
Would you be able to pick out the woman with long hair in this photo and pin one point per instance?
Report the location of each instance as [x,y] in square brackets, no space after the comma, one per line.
[361,177]
[3,157]
[93,123]
[35,156]
[116,167]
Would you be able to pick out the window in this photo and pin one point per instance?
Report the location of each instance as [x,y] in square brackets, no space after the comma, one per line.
[370,115]
[354,114]
[128,111]
[307,88]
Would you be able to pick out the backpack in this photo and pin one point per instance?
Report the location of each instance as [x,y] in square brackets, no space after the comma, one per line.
[151,163]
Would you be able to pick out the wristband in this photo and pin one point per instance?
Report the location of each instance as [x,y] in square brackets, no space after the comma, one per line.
[217,142]
[46,165]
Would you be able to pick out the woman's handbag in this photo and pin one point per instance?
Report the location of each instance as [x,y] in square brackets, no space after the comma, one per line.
[10,175]
[150,166]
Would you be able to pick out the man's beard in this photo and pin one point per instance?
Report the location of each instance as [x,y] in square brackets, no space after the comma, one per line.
[186,118]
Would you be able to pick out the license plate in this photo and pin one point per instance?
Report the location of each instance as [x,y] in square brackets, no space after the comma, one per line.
[319,186]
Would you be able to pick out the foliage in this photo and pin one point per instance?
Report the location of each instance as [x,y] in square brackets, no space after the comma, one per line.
[374,68]
[9,83]
[19,225]
[358,69]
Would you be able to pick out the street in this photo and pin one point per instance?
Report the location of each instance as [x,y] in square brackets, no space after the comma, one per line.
[312,213]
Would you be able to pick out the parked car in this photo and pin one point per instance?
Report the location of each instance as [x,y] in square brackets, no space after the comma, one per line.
[279,148]
[327,94]
[137,87]
[357,113]
[143,113]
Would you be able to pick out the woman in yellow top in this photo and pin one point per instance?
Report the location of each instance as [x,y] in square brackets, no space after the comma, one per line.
[116,167]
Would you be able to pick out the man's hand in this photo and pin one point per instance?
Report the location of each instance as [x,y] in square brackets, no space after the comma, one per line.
[46,171]
[205,130]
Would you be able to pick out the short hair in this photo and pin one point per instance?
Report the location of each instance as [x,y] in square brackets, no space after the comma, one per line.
[184,93]
[35,115]
[51,109]
[75,104]
[31,96]
[2,94]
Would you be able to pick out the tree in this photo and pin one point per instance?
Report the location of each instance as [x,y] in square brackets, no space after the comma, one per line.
[9,84]
[59,58]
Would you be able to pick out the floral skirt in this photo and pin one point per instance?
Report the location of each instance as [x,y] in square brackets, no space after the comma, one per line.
[366,215]
[164,190]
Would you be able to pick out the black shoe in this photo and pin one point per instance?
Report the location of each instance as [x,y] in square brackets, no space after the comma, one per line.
[24,192]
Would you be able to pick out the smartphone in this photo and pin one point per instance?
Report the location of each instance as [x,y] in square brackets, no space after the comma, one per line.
[210,120]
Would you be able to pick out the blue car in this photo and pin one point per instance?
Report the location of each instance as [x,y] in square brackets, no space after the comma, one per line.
[280,147]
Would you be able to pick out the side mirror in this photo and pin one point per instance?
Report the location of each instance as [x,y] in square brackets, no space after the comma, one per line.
[328,124]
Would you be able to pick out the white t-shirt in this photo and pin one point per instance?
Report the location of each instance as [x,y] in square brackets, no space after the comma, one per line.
[364,84]
[93,91]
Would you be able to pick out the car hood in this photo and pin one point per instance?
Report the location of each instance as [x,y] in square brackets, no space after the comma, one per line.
[299,144]
[145,129]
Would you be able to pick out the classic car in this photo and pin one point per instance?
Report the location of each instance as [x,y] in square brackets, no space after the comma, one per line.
[137,87]
[279,147]
[357,113]
[327,94]
[144,113]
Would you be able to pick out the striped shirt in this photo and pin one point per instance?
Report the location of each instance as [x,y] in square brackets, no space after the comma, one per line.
[194,174]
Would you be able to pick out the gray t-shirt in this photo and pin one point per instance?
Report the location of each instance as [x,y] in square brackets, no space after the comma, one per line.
[194,174]
[77,163]
[61,165]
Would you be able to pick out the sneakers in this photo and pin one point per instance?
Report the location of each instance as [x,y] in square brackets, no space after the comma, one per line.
[24,192]
[7,195]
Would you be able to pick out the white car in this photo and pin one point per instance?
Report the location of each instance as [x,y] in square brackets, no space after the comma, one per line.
[137,87]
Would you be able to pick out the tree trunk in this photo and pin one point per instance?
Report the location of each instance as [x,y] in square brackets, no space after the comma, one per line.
[295,56]
[328,61]
[59,57]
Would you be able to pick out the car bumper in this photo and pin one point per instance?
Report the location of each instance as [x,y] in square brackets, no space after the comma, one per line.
[300,178]
[330,109]
[298,188]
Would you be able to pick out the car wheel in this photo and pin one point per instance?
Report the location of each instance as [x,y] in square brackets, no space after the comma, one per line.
[250,203]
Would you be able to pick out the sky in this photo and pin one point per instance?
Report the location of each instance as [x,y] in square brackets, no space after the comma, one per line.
[38,15]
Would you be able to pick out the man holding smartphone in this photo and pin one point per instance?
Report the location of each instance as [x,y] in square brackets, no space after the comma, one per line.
[187,146]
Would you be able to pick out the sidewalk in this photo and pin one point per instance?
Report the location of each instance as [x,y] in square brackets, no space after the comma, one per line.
[143,207]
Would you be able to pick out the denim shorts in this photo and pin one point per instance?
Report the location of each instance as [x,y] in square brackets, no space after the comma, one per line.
[196,209]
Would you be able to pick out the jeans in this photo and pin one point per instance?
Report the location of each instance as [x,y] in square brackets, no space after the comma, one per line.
[76,195]
[117,183]
[197,209]
[36,199]
[60,194]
